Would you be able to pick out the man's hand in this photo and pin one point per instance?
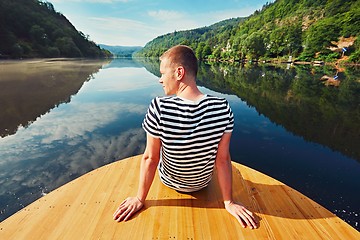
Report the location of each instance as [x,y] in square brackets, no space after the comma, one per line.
[127,208]
[243,215]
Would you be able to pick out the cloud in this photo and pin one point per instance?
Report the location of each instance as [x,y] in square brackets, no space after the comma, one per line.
[70,126]
[217,16]
[166,15]
[128,32]
[82,119]
[168,21]
[116,31]
[100,150]
[116,24]
[121,80]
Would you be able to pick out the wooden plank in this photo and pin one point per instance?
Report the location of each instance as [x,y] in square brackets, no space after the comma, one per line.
[82,209]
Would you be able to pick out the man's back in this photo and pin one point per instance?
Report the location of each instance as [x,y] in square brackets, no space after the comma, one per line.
[189,132]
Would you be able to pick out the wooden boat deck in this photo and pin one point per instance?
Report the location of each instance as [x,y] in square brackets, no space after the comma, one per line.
[83,208]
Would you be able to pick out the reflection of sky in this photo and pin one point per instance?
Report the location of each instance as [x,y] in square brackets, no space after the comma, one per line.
[102,123]
[69,124]
[121,79]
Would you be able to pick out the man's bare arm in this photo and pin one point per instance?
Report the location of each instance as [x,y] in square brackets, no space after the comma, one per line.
[224,171]
[148,167]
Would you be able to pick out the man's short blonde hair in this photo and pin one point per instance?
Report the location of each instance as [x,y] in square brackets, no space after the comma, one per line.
[184,56]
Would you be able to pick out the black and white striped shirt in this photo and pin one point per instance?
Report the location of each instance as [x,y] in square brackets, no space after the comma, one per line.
[190,133]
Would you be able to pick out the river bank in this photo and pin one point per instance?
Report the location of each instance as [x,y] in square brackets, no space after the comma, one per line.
[339,62]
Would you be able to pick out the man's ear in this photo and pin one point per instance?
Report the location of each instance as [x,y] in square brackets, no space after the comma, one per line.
[180,73]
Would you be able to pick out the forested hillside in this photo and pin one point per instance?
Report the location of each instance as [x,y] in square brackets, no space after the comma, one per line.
[32,28]
[203,40]
[304,29]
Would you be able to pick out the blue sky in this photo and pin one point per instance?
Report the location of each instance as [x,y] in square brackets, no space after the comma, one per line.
[136,22]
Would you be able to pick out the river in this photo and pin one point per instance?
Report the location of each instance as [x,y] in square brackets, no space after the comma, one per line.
[61,118]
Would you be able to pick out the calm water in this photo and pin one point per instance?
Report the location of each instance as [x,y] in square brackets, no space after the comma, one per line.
[61,119]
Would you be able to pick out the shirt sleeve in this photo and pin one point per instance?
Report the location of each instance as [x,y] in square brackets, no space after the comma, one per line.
[230,126]
[151,123]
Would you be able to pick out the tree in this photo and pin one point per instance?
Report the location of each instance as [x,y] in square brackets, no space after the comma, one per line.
[293,40]
[67,47]
[206,51]
[217,51]
[38,35]
[276,42]
[199,50]
[254,44]
[320,35]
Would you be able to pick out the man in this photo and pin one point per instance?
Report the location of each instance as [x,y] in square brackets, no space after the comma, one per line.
[188,134]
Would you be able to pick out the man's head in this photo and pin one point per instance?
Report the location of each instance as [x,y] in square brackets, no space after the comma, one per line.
[178,66]
[184,56]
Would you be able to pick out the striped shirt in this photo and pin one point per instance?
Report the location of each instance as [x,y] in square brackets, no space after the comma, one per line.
[190,133]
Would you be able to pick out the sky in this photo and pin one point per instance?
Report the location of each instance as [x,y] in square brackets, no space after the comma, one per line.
[136,22]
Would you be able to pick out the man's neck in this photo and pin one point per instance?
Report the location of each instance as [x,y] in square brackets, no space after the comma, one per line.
[189,92]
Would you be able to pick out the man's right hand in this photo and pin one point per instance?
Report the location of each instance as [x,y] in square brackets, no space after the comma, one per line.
[244,216]
[127,208]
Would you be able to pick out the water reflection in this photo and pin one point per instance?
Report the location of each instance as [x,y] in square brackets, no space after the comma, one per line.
[299,102]
[29,89]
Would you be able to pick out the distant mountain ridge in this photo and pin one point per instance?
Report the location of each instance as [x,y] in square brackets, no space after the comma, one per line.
[33,29]
[121,51]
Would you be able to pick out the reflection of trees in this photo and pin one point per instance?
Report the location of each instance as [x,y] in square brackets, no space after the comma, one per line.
[296,99]
[152,65]
[29,90]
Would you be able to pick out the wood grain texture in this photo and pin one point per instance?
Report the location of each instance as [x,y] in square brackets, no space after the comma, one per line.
[83,208]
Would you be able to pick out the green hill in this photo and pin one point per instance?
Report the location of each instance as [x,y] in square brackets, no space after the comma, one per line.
[32,28]
[200,39]
[304,29]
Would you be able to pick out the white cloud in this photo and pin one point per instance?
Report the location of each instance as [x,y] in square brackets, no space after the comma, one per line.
[115,31]
[165,15]
[109,80]
[217,16]
[128,32]
[82,118]
[62,125]
[116,24]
